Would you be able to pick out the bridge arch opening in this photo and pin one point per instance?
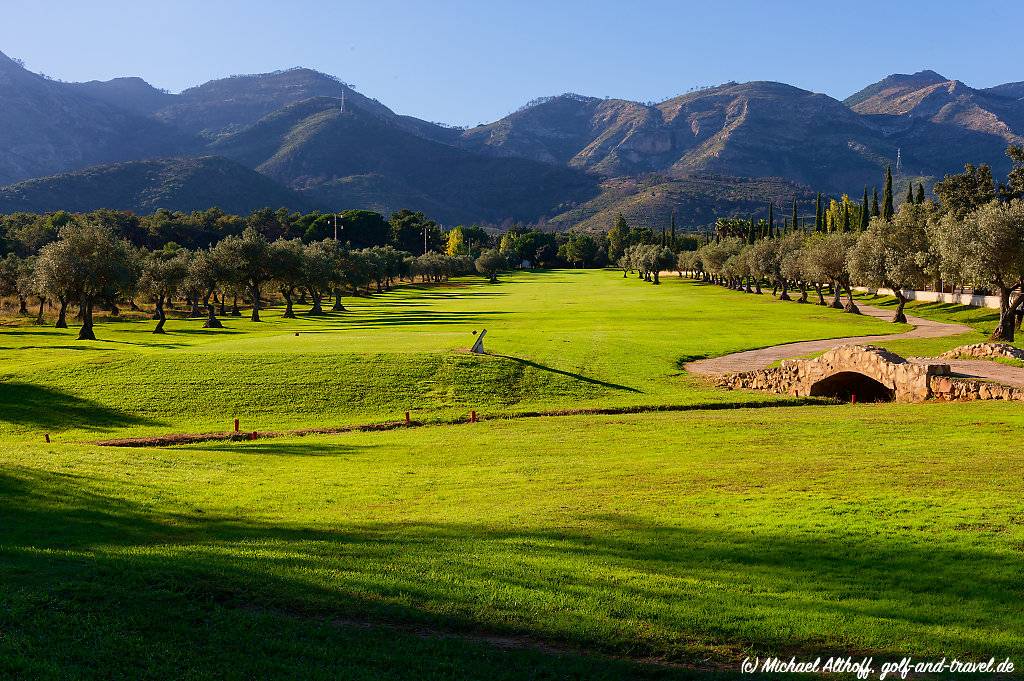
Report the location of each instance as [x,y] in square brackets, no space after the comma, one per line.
[851,386]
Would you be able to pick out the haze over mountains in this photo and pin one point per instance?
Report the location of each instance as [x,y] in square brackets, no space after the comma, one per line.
[306,140]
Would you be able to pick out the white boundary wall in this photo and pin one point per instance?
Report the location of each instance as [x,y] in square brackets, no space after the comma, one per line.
[936,297]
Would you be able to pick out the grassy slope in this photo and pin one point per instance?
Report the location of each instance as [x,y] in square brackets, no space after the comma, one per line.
[559,339]
[696,537]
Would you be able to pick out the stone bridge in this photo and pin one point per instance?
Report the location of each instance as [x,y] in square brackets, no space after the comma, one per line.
[864,373]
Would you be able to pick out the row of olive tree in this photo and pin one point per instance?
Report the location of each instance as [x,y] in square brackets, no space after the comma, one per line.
[983,249]
[89,265]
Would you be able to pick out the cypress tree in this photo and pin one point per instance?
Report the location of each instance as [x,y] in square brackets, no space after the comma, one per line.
[864,217]
[874,203]
[846,216]
[796,221]
[920,193]
[751,234]
[887,210]
[771,218]
[910,193]
[819,223]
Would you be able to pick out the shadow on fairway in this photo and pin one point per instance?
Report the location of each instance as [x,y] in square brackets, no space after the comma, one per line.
[34,406]
[92,578]
[298,449]
[337,322]
[89,581]
[568,374]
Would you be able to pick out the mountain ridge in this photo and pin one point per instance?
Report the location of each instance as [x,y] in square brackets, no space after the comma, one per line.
[312,134]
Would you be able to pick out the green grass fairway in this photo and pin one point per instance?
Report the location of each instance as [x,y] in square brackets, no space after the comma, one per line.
[687,537]
[644,545]
[557,340]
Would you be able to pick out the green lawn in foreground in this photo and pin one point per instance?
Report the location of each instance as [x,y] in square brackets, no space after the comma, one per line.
[687,537]
[695,537]
[558,339]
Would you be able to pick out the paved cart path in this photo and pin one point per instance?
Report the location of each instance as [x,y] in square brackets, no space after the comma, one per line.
[923,328]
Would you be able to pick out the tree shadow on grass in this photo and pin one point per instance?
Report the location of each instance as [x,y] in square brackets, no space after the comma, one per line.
[174,582]
[568,374]
[36,406]
[400,318]
[287,449]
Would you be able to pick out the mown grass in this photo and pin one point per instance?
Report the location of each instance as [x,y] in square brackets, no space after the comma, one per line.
[695,537]
[570,547]
[556,340]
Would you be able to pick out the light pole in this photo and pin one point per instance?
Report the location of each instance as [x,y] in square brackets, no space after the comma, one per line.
[424,241]
[334,216]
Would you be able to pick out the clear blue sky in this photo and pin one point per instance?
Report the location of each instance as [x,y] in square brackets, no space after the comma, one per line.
[466,62]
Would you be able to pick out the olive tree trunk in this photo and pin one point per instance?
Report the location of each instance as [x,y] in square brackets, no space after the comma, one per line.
[338,307]
[317,308]
[62,315]
[161,316]
[255,303]
[289,313]
[850,307]
[86,332]
[901,302]
[1007,314]
[211,314]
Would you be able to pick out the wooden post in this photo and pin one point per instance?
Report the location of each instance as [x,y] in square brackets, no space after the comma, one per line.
[252,435]
[472,416]
[47,438]
[236,425]
[408,421]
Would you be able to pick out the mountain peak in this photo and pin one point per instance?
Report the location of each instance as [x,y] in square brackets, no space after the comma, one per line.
[893,84]
[926,74]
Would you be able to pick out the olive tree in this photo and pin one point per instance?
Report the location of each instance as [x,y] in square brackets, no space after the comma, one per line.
[985,249]
[896,255]
[319,272]
[96,262]
[287,267]
[29,285]
[248,256]
[203,277]
[58,281]
[827,256]
[791,262]
[163,272]
[490,263]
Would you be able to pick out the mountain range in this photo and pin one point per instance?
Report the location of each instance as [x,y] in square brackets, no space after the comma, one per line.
[306,140]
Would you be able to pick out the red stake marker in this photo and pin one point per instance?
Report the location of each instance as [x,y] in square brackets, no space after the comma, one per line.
[472,417]
[252,435]
[236,425]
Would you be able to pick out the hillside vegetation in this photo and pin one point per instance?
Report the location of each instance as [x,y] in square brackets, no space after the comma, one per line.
[318,136]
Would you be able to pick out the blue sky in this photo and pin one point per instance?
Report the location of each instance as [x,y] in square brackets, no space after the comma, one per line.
[469,62]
